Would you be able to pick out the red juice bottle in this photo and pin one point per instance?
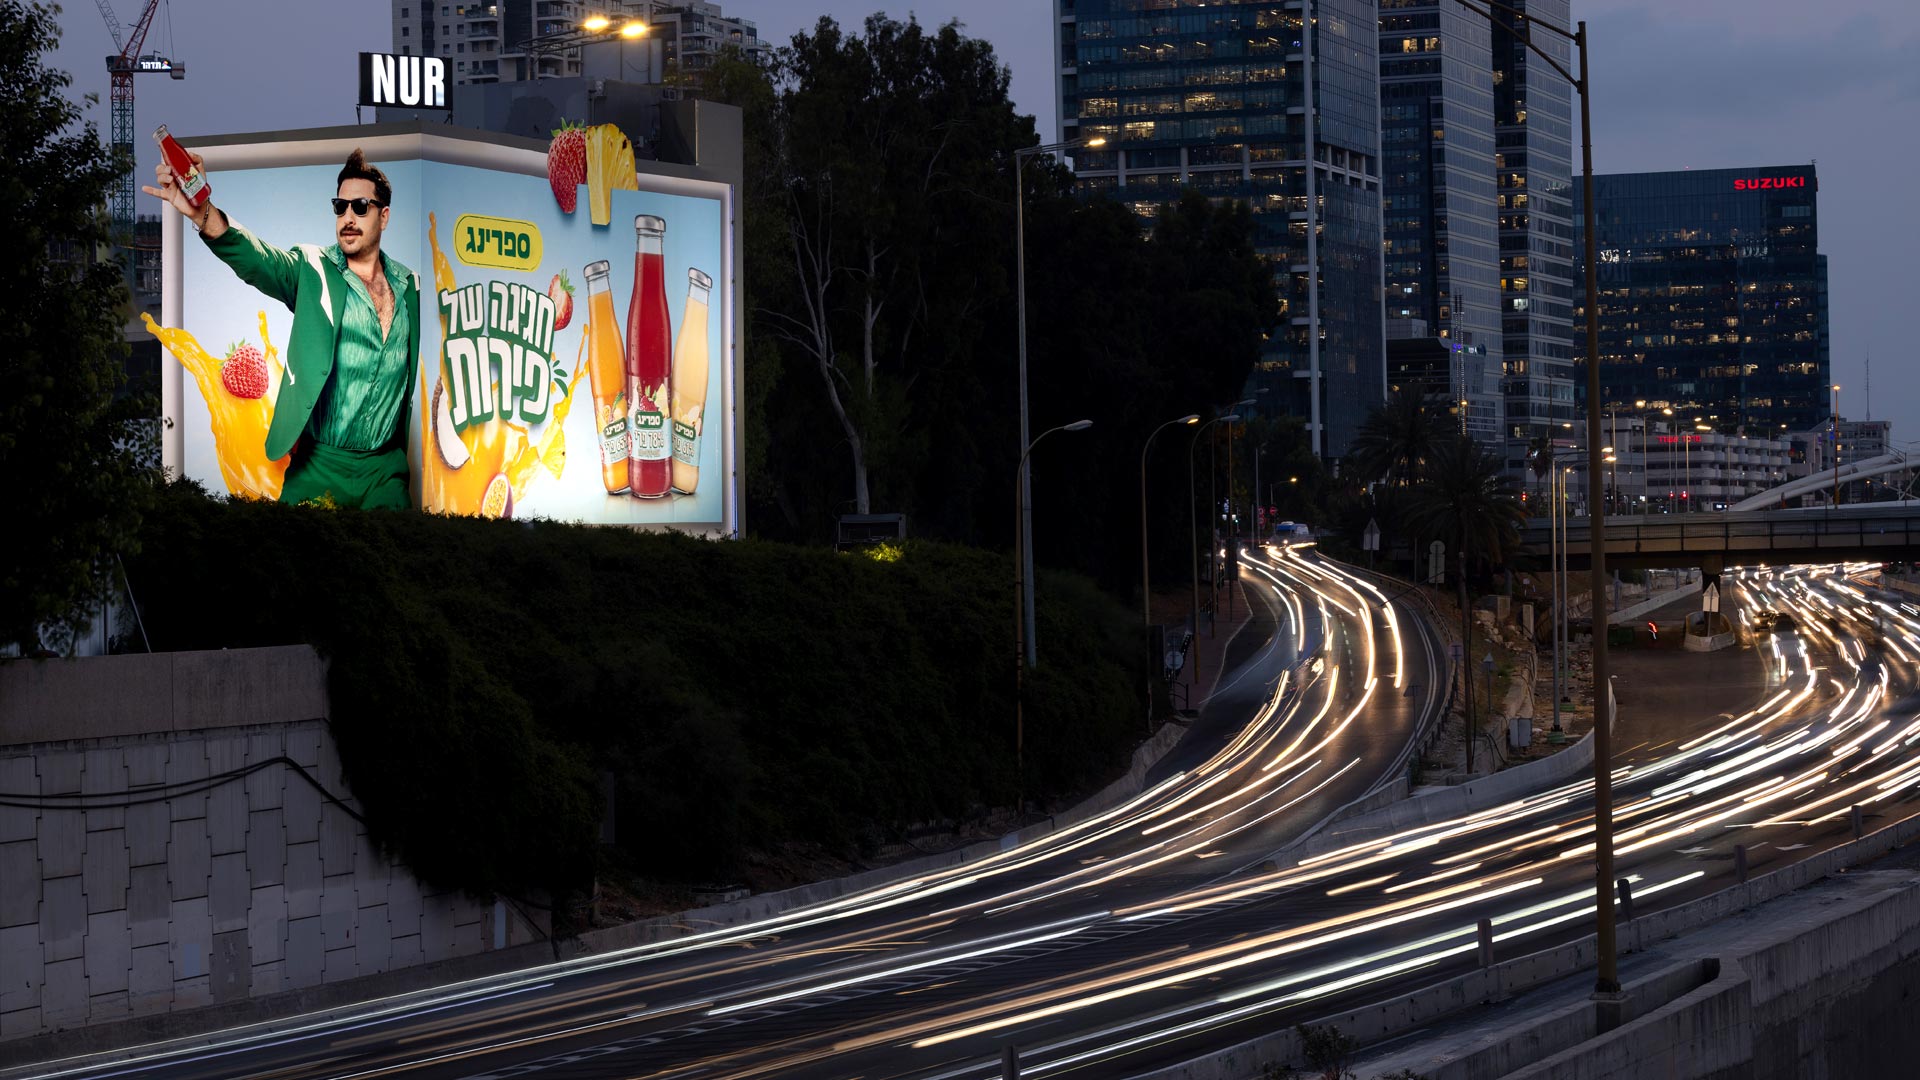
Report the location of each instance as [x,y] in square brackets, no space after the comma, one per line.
[649,363]
[192,182]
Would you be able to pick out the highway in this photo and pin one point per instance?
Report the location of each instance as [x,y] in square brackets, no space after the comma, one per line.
[1161,929]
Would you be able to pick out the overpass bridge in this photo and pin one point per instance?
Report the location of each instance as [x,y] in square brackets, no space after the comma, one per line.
[1869,531]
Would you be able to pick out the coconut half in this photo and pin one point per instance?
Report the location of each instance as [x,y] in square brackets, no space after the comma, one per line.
[445,438]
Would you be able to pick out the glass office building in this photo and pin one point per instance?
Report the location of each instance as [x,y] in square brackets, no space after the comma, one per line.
[1713,296]
[1441,232]
[1234,100]
[1533,159]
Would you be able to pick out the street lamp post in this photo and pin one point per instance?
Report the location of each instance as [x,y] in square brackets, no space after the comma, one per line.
[1836,444]
[1486,665]
[1020,291]
[1231,552]
[1555,514]
[1023,592]
[1607,979]
[1146,594]
[1193,530]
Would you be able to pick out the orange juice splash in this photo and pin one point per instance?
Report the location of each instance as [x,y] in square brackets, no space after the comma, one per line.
[491,448]
[239,424]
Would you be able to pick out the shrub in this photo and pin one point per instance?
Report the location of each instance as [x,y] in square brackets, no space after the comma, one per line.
[483,673]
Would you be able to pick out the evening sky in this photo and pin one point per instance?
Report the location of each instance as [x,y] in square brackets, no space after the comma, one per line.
[1700,84]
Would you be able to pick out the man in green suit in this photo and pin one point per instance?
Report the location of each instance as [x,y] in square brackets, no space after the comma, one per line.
[352,353]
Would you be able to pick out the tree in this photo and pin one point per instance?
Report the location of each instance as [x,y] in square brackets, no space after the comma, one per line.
[1397,439]
[1468,498]
[885,142]
[1131,332]
[77,453]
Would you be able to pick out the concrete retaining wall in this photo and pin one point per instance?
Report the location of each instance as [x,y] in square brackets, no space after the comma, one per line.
[1705,1033]
[1891,581]
[202,891]
[1652,604]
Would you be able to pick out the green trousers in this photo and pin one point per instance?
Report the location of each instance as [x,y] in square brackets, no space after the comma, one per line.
[365,479]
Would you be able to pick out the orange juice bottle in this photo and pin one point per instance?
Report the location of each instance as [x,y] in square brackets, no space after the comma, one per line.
[690,383]
[607,369]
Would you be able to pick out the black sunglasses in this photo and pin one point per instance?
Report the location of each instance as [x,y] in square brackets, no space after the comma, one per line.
[360,206]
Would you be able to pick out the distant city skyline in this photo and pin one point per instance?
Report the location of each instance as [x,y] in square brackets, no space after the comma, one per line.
[1709,84]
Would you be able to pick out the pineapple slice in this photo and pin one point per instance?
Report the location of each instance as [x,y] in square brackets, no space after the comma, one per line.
[610,168]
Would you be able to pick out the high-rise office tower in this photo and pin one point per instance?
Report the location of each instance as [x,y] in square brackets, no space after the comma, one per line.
[1533,162]
[1442,222]
[1713,297]
[1235,100]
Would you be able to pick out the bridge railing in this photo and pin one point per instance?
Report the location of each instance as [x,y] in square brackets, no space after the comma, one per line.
[1751,530]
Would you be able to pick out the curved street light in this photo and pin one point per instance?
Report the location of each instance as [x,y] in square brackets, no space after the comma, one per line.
[1193,532]
[1020,157]
[1023,591]
[1146,594]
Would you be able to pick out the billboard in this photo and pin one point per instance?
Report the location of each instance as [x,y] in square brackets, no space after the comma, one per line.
[576,355]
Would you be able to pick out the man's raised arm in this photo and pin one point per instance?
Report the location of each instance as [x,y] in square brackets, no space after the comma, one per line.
[259,264]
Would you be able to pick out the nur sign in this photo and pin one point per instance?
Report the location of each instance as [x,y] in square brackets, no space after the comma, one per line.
[413,82]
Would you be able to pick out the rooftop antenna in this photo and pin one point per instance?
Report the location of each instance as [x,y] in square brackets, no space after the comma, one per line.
[1869,384]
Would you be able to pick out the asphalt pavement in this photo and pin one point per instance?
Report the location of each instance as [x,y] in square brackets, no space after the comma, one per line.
[1158,931]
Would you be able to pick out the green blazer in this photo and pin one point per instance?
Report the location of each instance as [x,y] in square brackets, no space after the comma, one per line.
[315,291]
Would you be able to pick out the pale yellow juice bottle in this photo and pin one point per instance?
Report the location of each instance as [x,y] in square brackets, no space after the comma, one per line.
[607,370]
[690,383]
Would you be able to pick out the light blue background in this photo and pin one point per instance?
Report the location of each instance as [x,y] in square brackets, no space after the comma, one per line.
[288,205]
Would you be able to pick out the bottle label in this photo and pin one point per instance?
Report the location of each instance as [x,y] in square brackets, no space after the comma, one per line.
[613,441]
[192,184]
[649,425]
[686,444]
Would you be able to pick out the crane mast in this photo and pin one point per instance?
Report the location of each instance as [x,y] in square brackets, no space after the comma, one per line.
[121,68]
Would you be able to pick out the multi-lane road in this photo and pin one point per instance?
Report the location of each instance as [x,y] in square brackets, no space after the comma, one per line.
[1166,926]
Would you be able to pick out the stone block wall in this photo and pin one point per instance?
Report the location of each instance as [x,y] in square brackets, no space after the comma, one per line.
[155,899]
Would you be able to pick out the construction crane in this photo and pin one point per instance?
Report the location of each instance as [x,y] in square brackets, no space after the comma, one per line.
[122,67]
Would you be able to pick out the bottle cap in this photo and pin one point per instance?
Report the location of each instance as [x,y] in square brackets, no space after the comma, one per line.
[698,279]
[647,223]
[598,269]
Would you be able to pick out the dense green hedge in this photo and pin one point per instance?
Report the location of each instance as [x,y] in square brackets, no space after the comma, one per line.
[484,673]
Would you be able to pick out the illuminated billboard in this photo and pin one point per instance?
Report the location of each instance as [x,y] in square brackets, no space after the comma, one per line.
[576,353]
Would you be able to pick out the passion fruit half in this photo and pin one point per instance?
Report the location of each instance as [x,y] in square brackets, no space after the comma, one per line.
[498,501]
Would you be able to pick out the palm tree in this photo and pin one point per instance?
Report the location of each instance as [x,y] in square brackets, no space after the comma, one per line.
[1396,440]
[1467,498]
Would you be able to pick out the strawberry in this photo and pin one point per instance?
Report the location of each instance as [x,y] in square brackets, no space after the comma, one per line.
[567,164]
[560,291]
[244,373]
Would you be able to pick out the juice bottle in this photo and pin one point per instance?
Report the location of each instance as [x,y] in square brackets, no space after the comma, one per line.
[192,182]
[690,383]
[649,362]
[606,368]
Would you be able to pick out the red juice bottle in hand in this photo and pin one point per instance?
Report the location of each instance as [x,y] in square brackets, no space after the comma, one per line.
[187,176]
